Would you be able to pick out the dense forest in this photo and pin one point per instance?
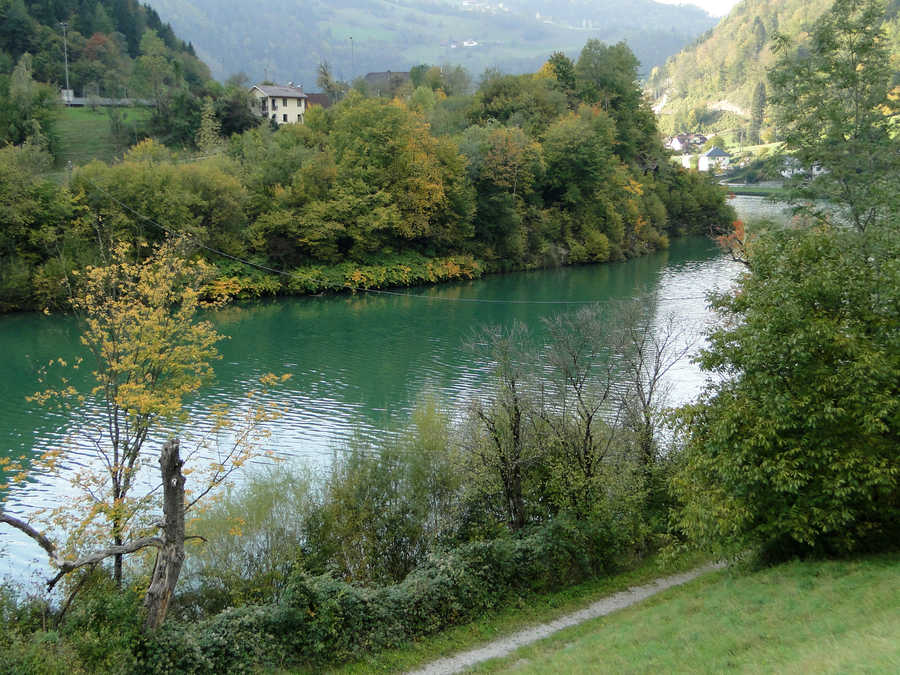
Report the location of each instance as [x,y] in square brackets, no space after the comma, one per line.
[563,166]
[286,40]
[719,83]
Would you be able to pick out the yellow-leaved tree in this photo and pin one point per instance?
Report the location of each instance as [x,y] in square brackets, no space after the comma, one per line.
[151,350]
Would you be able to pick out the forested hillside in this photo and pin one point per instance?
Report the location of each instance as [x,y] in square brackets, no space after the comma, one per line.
[287,39]
[718,83]
[104,43]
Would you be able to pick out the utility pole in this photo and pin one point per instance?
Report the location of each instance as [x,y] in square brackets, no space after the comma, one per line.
[66,56]
[352,59]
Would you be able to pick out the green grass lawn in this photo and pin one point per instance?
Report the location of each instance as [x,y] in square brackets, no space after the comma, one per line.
[801,617]
[84,135]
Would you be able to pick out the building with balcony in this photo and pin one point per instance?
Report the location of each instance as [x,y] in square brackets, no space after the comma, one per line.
[283,105]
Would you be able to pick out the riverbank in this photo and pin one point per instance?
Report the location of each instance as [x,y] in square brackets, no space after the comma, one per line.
[771,190]
[394,272]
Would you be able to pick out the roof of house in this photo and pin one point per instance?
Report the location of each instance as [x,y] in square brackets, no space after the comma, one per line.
[323,100]
[716,151]
[277,90]
[385,77]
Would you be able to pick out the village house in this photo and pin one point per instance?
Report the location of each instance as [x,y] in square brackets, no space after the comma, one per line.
[714,159]
[791,167]
[678,143]
[385,83]
[685,142]
[283,105]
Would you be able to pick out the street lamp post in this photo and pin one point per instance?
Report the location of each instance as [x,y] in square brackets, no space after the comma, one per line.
[352,59]
[66,55]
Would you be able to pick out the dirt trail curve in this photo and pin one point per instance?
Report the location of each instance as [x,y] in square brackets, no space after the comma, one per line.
[609,604]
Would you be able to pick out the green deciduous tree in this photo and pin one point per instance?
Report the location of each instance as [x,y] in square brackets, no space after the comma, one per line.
[154,73]
[150,351]
[607,76]
[835,111]
[209,135]
[517,100]
[795,448]
[28,109]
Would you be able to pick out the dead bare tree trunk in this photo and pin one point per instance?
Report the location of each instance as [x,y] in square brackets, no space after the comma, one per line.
[170,545]
[170,557]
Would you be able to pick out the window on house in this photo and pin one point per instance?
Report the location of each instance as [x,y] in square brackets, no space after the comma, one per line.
[299,117]
[284,102]
[284,117]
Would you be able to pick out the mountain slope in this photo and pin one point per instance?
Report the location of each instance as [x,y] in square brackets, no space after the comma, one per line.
[287,39]
[103,39]
[710,85]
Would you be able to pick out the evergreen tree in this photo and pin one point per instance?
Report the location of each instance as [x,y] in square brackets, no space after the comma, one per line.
[209,136]
[757,113]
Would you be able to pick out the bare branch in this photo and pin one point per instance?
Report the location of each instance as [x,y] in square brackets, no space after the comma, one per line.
[67,566]
[39,537]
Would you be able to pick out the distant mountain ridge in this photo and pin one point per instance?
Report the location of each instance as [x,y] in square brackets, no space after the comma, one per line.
[285,40]
[710,85]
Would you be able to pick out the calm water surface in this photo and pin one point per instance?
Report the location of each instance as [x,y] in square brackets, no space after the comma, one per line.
[358,364]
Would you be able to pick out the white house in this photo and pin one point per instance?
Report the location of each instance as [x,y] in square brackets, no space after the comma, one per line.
[714,159]
[792,167]
[677,143]
[283,105]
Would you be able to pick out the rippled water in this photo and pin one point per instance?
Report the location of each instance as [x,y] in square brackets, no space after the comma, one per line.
[358,364]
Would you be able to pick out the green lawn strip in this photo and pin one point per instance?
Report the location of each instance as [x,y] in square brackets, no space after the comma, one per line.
[527,611]
[84,134]
[801,617]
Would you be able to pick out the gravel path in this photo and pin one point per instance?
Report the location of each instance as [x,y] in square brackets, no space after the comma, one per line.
[609,604]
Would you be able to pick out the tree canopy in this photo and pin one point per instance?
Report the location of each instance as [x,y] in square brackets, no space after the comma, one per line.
[837,112]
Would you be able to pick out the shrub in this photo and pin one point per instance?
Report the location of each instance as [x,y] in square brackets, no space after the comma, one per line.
[324,620]
[795,450]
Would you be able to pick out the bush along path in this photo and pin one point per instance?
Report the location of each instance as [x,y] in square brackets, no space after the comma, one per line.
[608,605]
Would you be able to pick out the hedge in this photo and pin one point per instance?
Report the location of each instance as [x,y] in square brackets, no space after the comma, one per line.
[326,620]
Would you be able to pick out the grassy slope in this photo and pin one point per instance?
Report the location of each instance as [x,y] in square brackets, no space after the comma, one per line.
[85,135]
[801,617]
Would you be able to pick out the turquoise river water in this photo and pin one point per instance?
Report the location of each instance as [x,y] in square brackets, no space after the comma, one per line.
[358,363]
